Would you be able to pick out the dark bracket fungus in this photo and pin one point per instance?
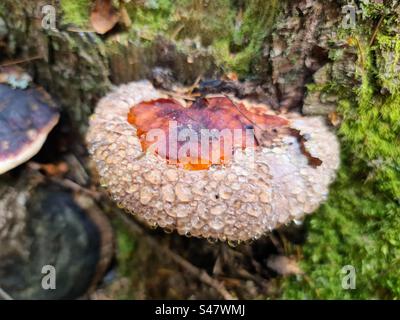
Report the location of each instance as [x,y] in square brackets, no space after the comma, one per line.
[43,223]
[277,167]
[26,118]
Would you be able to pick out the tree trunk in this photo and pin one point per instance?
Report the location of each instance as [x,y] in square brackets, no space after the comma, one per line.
[77,67]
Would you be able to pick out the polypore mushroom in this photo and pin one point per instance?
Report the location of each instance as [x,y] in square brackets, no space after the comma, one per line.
[26,118]
[42,223]
[278,169]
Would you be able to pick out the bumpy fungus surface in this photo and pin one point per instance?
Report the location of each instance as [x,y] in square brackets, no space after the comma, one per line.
[285,174]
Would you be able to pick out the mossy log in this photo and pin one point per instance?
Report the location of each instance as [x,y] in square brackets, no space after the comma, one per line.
[186,39]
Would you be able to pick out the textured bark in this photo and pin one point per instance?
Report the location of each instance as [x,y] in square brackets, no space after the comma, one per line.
[77,68]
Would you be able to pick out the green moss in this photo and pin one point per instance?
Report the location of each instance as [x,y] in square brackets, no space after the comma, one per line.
[76,12]
[357,226]
[335,54]
[388,61]
[373,131]
[372,9]
[126,248]
[208,21]
[2,10]
[152,18]
[243,50]
[360,223]
[233,33]
[313,87]
[372,127]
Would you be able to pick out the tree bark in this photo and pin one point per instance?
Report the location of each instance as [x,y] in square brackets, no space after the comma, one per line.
[78,67]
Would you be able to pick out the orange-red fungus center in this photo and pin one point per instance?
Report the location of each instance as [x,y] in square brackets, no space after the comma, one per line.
[204,131]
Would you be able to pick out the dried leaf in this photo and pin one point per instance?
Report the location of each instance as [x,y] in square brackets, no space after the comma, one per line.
[103,16]
[232,76]
[283,265]
[334,119]
[51,169]
[125,19]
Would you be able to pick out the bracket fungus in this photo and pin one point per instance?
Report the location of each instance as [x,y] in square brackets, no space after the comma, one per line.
[215,167]
[44,223]
[26,118]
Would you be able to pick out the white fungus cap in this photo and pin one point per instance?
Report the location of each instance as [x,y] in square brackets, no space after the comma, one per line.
[258,190]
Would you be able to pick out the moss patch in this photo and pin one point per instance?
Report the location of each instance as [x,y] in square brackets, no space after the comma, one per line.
[76,12]
[234,32]
[360,223]
[209,21]
[388,62]
[242,51]
[2,10]
[151,18]
[357,226]
[126,249]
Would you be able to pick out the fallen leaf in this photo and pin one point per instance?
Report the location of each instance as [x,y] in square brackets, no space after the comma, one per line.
[232,76]
[103,16]
[50,169]
[125,19]
[189,59]
[334,119]
[283,265]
